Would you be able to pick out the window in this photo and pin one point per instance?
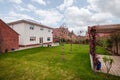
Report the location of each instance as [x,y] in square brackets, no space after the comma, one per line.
[41,29]
[32,27]
[32,38]
[49,30]
[48,39]
[12,27]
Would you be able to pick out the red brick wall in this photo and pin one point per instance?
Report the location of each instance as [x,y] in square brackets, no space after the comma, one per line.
[9,37]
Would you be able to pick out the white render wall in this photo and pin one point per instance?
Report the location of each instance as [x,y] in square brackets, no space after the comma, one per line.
[36,33]
[25,33]
[19,28]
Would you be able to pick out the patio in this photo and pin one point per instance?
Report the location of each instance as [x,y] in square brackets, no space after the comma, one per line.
[115,70]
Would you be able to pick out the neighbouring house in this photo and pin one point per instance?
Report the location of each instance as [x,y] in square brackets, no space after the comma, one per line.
[82,39]
[8,38]
[74,38]
[32,33]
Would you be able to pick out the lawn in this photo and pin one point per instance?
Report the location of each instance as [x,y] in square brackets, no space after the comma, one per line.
[43,63]
[101,50]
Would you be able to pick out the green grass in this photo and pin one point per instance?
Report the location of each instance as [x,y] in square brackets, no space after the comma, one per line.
[46,64]
[101,50]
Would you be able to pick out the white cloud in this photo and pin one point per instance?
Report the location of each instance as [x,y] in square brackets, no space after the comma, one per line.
[67,3]
[20,8]
[79,18]
[107,6]
[16,1]
[101,17]
[49,17]
[96,12]
[13,16]
[77,30]
[19,16]
[31,7]
[42,2]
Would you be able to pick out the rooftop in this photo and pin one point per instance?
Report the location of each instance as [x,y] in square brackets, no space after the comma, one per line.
[29,22]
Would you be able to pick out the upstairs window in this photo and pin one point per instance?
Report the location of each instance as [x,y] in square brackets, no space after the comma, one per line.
[41,29]
[32,38]
[49,30]
[32,27]
[48,38]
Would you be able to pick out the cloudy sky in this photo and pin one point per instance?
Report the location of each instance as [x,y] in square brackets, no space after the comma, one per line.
[76,14]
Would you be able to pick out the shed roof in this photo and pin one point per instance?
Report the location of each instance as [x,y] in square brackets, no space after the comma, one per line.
[107,28]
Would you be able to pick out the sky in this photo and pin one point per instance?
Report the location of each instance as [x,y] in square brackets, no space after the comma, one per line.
[77,15]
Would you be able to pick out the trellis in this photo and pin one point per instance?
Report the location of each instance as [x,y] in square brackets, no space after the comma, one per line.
[93,30]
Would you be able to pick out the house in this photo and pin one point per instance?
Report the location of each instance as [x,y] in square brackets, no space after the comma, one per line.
[8,38]
[32,33]
[83,39]
[74,37]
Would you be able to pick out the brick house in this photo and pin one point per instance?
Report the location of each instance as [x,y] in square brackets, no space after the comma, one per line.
[8,38]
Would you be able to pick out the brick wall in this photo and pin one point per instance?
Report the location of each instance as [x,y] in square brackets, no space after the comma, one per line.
[8,38]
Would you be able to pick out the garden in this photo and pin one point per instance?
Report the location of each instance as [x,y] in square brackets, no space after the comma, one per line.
[46,63]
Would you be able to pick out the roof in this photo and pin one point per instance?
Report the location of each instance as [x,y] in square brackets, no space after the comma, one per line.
[107,28]
[29,22]
[8,26]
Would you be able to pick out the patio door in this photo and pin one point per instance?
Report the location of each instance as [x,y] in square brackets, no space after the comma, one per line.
[41,40]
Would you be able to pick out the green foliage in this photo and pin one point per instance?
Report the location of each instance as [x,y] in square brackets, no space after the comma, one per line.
[45,63]
[101,50]
[102,42]
[105,59]
[108,63]
[114,41]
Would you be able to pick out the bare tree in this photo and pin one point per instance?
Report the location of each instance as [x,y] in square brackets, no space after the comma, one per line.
[80,37]
[71,41]
[62,40]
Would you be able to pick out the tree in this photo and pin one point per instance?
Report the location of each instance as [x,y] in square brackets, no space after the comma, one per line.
[80,37]
[62,32]
[71,34]
[108,63]
[114,42]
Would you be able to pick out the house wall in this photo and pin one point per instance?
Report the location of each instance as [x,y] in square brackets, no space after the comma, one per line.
[25,33]
[37,33]
[9,38]
[20,29]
